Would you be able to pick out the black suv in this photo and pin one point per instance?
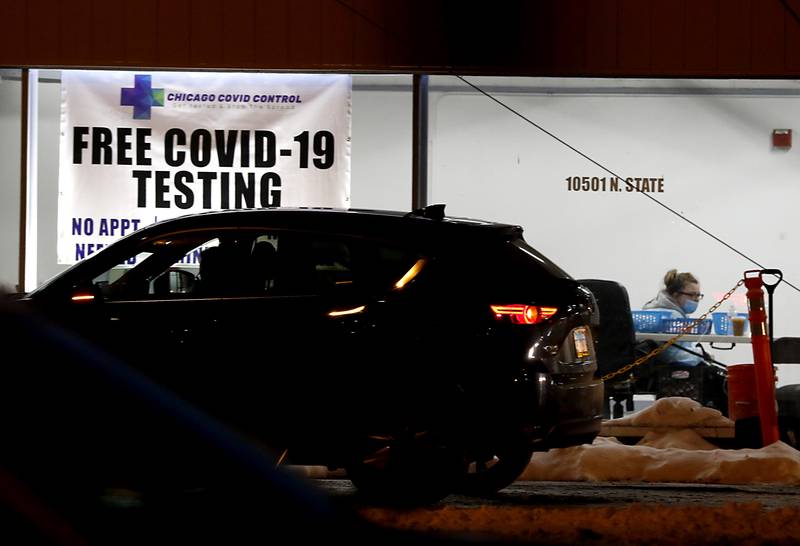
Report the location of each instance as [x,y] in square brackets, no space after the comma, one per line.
[424,354]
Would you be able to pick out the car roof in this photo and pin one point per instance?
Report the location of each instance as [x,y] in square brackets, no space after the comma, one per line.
[423,223]
[423,228]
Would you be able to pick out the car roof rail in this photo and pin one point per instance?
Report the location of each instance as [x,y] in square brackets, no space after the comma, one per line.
[433,212]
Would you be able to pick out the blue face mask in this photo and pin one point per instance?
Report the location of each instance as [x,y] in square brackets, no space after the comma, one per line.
[689,306]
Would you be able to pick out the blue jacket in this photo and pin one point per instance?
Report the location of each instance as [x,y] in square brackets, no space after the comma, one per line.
[673,355]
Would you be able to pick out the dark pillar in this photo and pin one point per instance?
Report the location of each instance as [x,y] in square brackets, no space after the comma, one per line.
[419,177]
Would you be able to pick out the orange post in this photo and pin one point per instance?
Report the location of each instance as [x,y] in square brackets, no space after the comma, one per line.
[762,357]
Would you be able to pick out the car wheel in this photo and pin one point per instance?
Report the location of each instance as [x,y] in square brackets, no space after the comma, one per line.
[405,468]
[490,470]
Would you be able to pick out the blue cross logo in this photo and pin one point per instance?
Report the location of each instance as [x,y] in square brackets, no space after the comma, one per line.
[142,96]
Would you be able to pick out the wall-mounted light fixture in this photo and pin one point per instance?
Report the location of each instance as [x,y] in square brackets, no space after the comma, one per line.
[782,139]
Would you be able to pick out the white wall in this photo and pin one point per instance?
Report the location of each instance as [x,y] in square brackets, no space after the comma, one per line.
[710,142]
[48,142]
[381,152]
[10,106]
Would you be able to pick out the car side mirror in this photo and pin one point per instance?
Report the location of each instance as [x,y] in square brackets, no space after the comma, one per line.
[86,293]
[174,281]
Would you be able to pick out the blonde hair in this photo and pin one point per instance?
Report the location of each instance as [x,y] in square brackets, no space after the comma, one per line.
[675,282]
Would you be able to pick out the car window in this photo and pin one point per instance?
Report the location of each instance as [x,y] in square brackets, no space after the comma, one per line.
[311,264]
[393,263]
[168,268]
[542,260]
[198,264]
[257,262]
[318,263]
[112,275]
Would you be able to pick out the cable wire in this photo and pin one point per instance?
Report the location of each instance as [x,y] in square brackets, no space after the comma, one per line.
[612,173]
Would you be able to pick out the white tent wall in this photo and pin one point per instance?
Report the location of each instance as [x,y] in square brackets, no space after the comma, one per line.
[709,140]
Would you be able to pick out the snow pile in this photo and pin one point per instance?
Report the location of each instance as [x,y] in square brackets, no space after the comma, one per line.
[675,412]
[608,460]
[673,453]
[678,439]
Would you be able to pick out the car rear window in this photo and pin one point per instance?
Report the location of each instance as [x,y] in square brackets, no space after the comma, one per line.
[548,265]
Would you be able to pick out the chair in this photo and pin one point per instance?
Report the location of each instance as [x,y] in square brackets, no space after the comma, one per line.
[616,346]
[616,341]
[786,350]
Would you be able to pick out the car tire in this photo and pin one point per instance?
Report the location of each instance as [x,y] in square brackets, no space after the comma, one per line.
[406,468]
[491,470]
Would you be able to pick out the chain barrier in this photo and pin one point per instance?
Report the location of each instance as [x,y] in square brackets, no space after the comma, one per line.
[685,330]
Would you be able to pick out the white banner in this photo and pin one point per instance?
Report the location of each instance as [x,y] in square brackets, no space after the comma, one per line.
[141,147]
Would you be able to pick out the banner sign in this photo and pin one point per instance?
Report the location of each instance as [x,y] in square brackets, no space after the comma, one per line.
[141,147]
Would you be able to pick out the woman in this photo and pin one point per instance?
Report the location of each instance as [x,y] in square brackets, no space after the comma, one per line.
[680,296]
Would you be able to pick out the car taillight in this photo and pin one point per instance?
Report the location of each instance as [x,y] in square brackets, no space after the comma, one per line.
[523,314]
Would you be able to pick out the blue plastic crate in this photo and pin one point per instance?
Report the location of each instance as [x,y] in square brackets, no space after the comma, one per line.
[676,326]
[722,324]
[649,321]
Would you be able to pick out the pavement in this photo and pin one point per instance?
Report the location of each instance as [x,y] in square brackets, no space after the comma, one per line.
[605,494]
[568,513]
